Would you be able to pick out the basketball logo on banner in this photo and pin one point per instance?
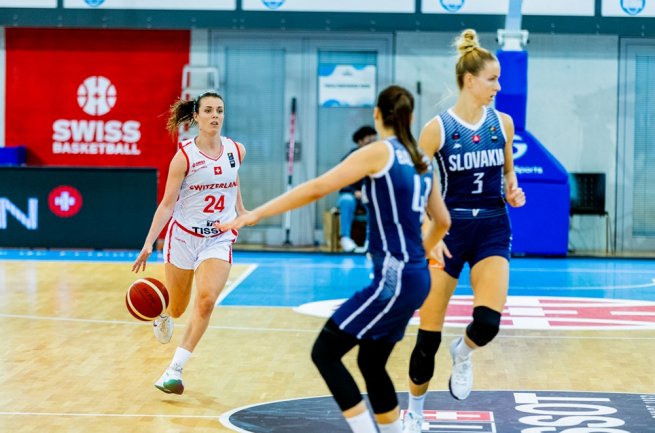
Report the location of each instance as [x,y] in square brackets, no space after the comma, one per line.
[633,7]
[273,4]
[452,5]
[96,95]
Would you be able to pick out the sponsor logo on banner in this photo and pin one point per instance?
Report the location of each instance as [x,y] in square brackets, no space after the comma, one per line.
[96,96]
[539,312]
[633,7]
[483,412]
[65,201]
[273,4]
[28,219]
[452,5]
[94,3]
[519,147]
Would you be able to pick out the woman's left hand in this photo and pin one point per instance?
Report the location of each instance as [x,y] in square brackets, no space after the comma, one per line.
[515,197]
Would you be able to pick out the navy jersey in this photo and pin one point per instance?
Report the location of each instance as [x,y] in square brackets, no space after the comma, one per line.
[471,161]
[395,199]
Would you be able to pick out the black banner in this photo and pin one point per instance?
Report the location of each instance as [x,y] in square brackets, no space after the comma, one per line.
[71,207]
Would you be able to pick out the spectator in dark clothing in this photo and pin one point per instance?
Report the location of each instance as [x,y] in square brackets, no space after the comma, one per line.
[350,197]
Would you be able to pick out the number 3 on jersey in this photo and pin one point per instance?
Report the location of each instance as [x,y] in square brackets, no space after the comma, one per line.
[478,182]
[213,204]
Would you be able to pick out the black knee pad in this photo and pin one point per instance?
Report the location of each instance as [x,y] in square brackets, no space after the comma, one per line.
[485,325]
[421,363]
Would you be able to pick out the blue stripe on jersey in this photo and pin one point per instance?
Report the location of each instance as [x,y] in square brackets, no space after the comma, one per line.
[471,161]
[396,200]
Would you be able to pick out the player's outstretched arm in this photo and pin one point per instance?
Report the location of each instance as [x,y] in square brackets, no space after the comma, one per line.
[368,160]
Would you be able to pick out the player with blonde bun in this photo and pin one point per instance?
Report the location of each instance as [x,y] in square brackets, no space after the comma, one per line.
[472,143]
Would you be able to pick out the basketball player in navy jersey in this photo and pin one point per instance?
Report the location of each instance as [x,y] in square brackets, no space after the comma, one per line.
[202,187]
[398,184]
[472,144]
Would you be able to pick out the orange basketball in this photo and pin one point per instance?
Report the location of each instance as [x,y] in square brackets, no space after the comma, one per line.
[146,299]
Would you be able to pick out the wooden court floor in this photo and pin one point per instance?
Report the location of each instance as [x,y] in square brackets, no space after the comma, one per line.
[74,360]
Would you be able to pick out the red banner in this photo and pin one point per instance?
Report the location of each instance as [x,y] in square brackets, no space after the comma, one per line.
[94,97]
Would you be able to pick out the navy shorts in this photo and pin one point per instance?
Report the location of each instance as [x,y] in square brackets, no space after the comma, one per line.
[476,234]
[382,310]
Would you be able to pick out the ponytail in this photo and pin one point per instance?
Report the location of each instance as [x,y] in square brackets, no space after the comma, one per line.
[396,104]
[182,111]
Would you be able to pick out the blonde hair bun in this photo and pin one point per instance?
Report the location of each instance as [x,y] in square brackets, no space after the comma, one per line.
[467,42]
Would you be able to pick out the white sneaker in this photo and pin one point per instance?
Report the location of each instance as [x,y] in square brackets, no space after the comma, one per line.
[363,249]
[461,378]
[413,423]
[162,326]
[171,382]
[347,244]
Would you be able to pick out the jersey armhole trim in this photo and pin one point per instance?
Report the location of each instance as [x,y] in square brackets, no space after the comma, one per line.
[443,134]
[238,150]
[188,163]
[389,163]
[502,125]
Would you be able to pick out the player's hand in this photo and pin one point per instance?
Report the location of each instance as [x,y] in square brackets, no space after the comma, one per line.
[247,219]
[515,197]
[437,254]
[142,258]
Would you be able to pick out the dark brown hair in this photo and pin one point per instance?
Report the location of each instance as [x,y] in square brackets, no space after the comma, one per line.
[182,111]
[472,57]
[396,104]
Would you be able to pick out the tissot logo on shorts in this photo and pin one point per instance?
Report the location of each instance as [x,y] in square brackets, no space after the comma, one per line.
[482,412]
[96,96]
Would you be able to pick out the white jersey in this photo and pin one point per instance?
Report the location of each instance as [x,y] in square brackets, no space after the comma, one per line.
[209,190]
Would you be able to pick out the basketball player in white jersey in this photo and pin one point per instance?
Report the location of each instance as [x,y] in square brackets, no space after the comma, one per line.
[202,189]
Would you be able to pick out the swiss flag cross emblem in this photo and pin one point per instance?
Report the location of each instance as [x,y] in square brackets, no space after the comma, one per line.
[218,170]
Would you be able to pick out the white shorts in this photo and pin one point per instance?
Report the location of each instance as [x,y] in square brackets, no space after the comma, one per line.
[187,250]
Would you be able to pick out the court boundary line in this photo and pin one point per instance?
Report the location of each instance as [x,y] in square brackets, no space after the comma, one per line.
[316,330]
[227,290]
[107,415]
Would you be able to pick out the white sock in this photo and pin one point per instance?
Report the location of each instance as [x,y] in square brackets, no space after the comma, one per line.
[463,350]
[180,358]
[394,427]
[362,423]
[416,403]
